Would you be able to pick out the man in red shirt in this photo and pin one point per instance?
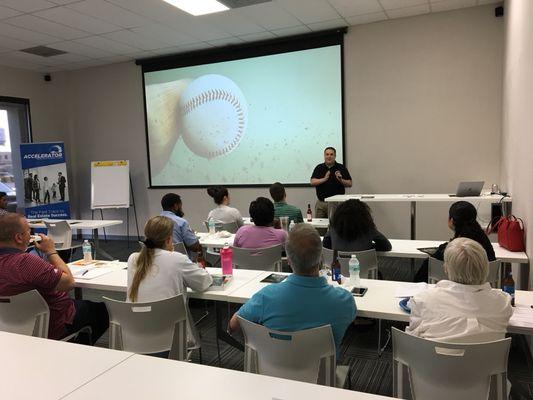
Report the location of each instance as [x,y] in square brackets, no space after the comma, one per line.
[21,272]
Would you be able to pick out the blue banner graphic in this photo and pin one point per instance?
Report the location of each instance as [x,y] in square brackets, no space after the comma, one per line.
[45,180]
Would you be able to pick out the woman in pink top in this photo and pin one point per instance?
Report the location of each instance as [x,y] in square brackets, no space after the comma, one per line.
[262,234]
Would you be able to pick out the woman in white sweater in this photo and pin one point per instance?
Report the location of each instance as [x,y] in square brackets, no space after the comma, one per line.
[157,272]
[463,309]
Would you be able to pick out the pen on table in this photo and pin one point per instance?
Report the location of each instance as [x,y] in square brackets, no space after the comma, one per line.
[84,272]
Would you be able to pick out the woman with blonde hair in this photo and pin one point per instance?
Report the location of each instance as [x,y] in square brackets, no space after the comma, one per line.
[157,272]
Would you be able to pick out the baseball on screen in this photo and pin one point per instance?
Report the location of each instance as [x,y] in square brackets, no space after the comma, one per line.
[250,121]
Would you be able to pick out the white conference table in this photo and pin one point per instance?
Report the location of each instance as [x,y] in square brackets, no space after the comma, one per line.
[168,379]
[35,368]
[413,199]
[81,224]
[316,222]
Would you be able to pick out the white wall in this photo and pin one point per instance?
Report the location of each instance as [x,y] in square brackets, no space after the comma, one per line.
[517,167]
[423,111]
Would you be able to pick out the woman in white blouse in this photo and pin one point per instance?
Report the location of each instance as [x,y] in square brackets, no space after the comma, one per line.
[223,212]
[157,272]
[463,309]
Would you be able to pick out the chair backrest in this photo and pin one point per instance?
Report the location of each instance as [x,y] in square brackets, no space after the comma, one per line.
[147,328]
[457,371]
[180,248]
[267,258]
[26,314]
[61,233]
[327,257]
[368,263]
[307,355]
[436,272]
[212,258]
[230,227]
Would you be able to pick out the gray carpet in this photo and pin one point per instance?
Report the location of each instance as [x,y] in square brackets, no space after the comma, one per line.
[369,373]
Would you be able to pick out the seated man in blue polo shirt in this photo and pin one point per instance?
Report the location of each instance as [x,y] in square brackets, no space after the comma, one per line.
[305,299]
[182,233]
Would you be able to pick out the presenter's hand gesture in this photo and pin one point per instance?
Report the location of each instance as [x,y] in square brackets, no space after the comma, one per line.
[326,177]
[46,245]
[338,175]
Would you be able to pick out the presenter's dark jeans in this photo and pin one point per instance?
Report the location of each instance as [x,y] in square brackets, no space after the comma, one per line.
[88,313]
[62,193]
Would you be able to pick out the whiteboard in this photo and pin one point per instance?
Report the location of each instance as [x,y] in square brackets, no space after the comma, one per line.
[110,184]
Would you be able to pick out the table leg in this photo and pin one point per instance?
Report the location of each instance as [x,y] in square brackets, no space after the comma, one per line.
[413,233]
[78,293]
[222,334]
[97,249]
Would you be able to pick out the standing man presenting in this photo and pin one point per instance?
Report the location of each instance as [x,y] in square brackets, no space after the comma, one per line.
[329,178]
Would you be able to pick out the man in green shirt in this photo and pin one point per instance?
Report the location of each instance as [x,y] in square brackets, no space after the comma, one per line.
[281,208]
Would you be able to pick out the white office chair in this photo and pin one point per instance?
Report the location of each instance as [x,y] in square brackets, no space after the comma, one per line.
[436,272]
[61,233]
[148,328]
[368,263]
[26,314]
[180,248]
[267,258]
[307,355]
[230,227]
[439,370]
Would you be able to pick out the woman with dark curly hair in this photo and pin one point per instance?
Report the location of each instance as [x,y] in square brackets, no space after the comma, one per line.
[352,229]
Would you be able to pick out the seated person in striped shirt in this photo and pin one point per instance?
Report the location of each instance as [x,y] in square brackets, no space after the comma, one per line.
[262,233]
[21,272]
[281,208]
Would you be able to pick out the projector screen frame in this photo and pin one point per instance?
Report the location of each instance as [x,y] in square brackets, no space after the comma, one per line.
[249,50]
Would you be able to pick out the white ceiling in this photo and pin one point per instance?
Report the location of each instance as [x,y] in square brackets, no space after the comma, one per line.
[98,32]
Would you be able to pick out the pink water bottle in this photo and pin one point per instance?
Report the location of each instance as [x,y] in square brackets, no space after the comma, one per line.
[226,259]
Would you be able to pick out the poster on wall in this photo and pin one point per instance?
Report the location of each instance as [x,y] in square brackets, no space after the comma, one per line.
[45,180]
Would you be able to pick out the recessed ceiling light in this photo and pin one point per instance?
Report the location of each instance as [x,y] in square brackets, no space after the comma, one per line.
[198,7]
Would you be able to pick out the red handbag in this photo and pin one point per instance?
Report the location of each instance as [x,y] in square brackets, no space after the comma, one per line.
[510,232]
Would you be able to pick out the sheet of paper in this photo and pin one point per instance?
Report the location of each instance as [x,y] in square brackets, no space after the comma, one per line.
[95,273]
[522,316]
[410,289]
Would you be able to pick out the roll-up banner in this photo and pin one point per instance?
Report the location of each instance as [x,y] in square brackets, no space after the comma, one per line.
[45,180]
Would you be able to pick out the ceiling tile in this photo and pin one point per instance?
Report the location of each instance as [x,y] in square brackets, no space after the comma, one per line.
[295,30]
[80,48]
[270,16]
[483,2]
[7,12]
[27,5]
[232,23]
[332,24]
[136,40]
[110,13]
[6,60]
[63,2]
[164,34]
[366,19]
[256,37]
[408,11]
[310,11]
[19,33]
[186,48]
[451,5]
[108,45]
[392,4]
[226,42]
[349,8]
[76,20]
[48,27]
[14,44]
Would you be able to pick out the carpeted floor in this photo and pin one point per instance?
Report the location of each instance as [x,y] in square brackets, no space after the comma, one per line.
[369,373]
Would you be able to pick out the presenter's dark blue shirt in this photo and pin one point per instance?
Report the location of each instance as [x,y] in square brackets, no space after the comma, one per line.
[332,186]
[301,302]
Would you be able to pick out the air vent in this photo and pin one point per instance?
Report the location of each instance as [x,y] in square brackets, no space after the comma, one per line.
[242,3]
[43,51]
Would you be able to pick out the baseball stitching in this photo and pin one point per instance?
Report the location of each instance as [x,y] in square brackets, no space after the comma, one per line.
[218,94]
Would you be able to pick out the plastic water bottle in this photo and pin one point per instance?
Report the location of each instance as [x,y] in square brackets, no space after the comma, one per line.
[211,225]
[87,251]
[354,268]
[226,260]
[291,225]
